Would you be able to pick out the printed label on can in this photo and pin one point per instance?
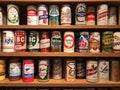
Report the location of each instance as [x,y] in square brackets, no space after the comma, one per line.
[56,41]
[45,43]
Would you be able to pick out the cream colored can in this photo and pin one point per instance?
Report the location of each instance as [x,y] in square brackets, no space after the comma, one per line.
[1,16]
[2,69]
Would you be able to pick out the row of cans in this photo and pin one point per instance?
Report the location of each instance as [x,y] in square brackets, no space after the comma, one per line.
[93,69]
[84,15]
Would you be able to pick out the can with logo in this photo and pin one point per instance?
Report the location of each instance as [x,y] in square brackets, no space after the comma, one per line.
[12,14]
[56,41]
[20,40]
[8,41]
[1,16]
[107,41]
[103,71]
[32,16]
[33,44]
[66,15]
[80,17]
[54,15]
[102,14]
[43,14]
[28,70]
[92,71]
[2,69]
[69,41]
[43,69]
[94,42]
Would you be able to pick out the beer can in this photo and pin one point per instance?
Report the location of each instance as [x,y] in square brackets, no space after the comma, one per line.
[103,71]
[43,14]
[80,16]
[2,69]
[32,16]
[107,41]
[69,41]
[54,15]
[1,16]
[57,68]
[20,40]
[8,41]
[45,42]
[102,14]
[66,15]
[116,42]
[94,42]
[33,44]
[12,14]
[112,16]
[90,88]
[56,41]
[92,71]
[70,70]
[43,69]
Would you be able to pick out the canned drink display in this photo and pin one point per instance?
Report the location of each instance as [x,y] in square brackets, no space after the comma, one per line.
[92,71]
[66,15]
[2,69]
[1,16]
[20,40]
[69,42]
[32,16]
[94,42]
[43,14]
[12,14]
[54,15]
[102,14]
[33,44]
[8,41]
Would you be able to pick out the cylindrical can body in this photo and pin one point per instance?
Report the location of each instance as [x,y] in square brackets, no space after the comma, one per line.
[94,42]
[56,41]
[28,70]
[32,16]
[66,15]
[43,69]
[103,71]
[2,69]
[92,71]
[54,15]
[80,17]
[8,41]
[69,41]
[12,14]
[1,16]
[45,42]
[107,41]
[33,44]
[43,14]
[14,69]
[20,40]
[102,14]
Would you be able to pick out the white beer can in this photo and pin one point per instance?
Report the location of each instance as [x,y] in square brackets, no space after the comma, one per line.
[1,16]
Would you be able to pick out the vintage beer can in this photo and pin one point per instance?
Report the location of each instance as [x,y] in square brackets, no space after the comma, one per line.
[56,41]
[90,88]
[92,71]
[112,16]
[45,42]
[102,14]
[43,69]
[33,44]
[32,16]
[1,16]
[12,14]
[115,70]
[116,42]
[43,14]
[8,41]
[70,70]
[107,41]
[94,42]
[66,15]
[80,17]
[20,40]
[2,69]
[28,70]
[54,15]
[57,68]
[69,41]
[103,71]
